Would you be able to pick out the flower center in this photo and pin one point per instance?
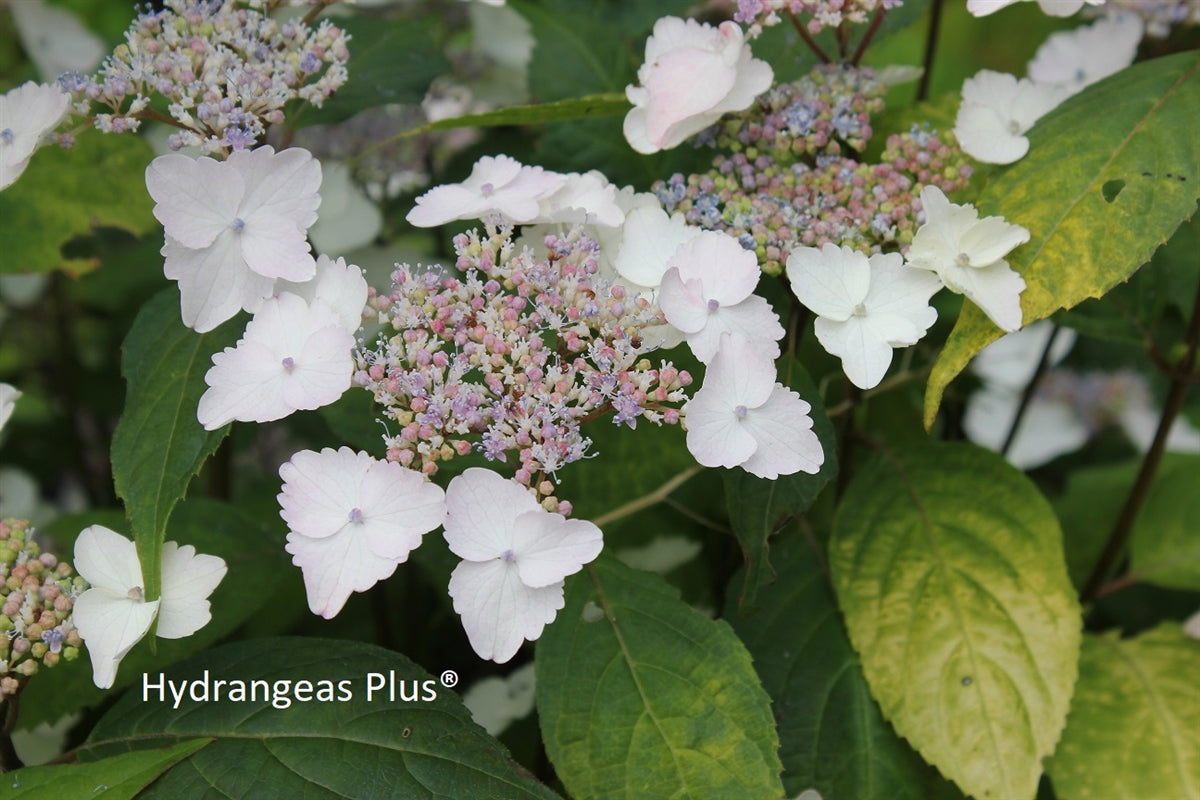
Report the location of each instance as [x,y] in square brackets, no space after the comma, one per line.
[356,515]
[6,136]
[713,305]
[508,556]
[289,363]
[1014,127]
[962,259]
[487,190]
[860,310]
[741,412]
[136,593]
[237,225]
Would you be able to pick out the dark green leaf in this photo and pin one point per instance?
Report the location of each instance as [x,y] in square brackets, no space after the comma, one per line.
[257,563]
[391,61]
[117,778]
[641,696]
[1164,545]
[279,746]
[758,508]
[159,445]
[832,736]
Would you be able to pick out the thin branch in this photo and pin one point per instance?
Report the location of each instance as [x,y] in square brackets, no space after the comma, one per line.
[870,34]
[1115,545]
[808,40]
[1030,389]
[647,500]
[931,38]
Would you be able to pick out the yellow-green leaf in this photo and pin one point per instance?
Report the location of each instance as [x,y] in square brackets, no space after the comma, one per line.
[1109,177]
[949,570]
[1134,729]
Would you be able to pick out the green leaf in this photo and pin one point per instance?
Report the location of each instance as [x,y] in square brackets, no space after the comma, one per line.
[257,563]
[583,50]
[1110,175]
[159,445]
[758,508]
[640,695]
[1134,729]
[278,746]
[949,570]
[69,193]
[597,105]
[832,736]
[1165,548]
[391,61]
[117,778]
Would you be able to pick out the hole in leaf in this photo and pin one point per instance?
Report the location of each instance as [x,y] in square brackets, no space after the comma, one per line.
[1111,189]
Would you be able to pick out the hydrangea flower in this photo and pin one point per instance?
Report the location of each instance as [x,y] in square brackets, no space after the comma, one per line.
[497,185]
[583,198]
[742,417]
[293,357]
[352,519]
[347,219]
[8,401]
[233,227]
[113,615]
[516,556]
[649,239]
[1054,8]
[864,307]
[693,74]
[967,253]
[997,110]
[339,285]
[708,289]
[55,39]
[1077,58]
[27,113]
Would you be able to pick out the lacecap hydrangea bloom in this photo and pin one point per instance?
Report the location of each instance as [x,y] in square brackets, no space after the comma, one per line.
[352,520]
[967,253]
[996,112]
[742,417]
[234,227]
[27,114]
[516,556]
[865,307]
[693,74]
[114,614]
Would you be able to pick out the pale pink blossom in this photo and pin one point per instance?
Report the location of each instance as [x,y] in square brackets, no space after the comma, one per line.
[516,556]
[498,185]
[693,74]
[742,417]
[352,519]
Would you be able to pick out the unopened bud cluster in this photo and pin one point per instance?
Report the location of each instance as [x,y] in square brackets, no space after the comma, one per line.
[37,594]
[816,15]
[789,183]
[225,71]
[514,356]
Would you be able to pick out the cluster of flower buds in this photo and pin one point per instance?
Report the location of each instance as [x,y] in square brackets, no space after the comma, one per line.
[819,14]
[38,593]
[815,115]
[787,183]
[514,356]
[226,72]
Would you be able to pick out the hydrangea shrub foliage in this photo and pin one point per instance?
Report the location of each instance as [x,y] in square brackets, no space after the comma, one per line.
[757,399]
